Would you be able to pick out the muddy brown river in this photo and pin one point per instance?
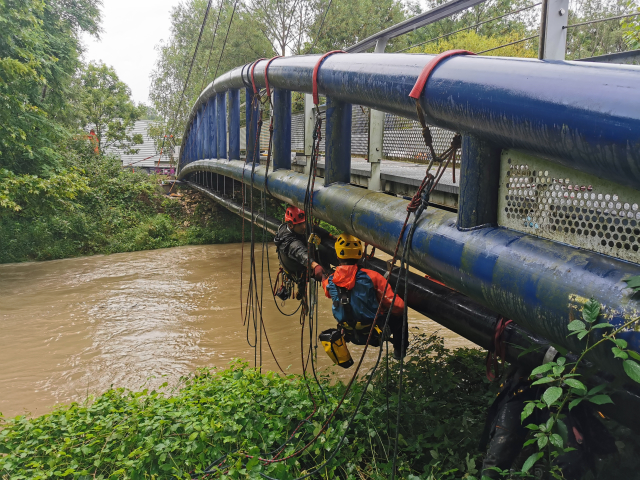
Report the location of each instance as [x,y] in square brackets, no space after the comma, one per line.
[72,328]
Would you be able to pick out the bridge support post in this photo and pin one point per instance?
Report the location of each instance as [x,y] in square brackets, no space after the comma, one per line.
[309,123]
[281,129]
[376,135]
[200,134]
[253,111]
[553,31]
[376,140]
[479,182]
[213,129]
[337,168]
[234,124]
[221,107]
[206,130]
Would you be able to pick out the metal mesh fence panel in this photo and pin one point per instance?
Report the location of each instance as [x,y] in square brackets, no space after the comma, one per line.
[403,140]
[297,132]
[359,131]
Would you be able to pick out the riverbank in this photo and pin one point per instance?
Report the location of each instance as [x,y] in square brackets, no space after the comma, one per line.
[240,411]
[111,210]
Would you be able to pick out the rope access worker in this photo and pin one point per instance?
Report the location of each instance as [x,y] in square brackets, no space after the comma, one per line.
[356,293]
[291,244]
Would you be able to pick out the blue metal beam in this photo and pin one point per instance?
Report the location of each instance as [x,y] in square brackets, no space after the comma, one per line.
[550,109]
[539,284]
[207,129]
[478,198]
[338,143]
[281,129]
[252,109]
[221,107]
[213,128]
[234,124]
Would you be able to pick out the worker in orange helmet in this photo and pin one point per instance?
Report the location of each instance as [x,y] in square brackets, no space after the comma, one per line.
[292,246]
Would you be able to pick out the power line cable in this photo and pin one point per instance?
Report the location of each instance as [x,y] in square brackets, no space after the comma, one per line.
[193,58]
[601,20]
[508,44]
[235,5]
[469,27]
[320,27]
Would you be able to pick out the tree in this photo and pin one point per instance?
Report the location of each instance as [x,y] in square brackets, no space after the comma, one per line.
[244,44]
[39,50]
[473,42]
[347,22]
[105,105]
[284,22]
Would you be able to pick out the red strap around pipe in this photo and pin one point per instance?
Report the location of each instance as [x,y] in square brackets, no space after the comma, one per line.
[429,67]
[266,76]
[253,80]
[315,74]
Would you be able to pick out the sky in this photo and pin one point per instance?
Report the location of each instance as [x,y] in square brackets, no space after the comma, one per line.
[132,28]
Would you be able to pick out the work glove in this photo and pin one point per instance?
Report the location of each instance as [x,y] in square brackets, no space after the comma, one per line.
[318,272]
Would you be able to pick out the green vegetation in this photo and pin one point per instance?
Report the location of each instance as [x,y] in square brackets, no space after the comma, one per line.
[59,197]
[97,207]
[240,412]
[104,105]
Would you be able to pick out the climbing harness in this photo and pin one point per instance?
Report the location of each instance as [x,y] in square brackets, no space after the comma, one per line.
[416,206]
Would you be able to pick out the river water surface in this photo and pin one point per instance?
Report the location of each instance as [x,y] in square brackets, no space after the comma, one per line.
[71,328]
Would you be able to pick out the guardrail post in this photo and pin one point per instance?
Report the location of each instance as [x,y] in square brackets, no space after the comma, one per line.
[221,107]
[337,168]
[281,129]
[553,32]
[234,124]
[199,134]
[309,123]
[252,113]
[192,140]
[479,182]
[206,131]
[213,129]
[376,135]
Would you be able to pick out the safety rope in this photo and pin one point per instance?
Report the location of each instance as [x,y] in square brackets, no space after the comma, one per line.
[497,350]
[416,206]
[416,93]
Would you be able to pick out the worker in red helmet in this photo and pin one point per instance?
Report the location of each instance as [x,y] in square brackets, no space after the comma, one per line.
[291,243]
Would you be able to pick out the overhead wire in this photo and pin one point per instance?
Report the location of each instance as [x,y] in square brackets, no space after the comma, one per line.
[589,22]
[513,12]
[193,58]
[313,47]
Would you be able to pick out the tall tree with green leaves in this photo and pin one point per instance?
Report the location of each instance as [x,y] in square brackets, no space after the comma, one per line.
[348,21]
[244,44]
[39,51]
[285,23]
[104,104]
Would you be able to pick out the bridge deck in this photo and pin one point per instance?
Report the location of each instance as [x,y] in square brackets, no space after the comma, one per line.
[400,178]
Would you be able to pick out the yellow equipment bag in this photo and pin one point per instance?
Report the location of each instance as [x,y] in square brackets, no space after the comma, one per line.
[336,347]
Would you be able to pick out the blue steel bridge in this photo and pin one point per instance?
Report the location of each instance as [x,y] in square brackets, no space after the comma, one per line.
[545,211]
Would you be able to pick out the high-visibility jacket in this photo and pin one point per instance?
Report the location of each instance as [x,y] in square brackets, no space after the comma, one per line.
[366,292]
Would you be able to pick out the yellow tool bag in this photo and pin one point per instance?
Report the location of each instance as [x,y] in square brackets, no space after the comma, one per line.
[336,347]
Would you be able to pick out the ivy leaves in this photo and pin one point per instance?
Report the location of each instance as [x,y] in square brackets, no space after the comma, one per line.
[564,388]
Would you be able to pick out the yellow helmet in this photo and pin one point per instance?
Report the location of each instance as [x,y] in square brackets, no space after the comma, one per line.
[348,247]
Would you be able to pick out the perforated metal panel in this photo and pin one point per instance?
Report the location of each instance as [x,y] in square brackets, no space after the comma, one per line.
[551,201]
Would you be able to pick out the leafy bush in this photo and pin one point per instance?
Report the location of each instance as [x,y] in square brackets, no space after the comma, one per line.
[239,412]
